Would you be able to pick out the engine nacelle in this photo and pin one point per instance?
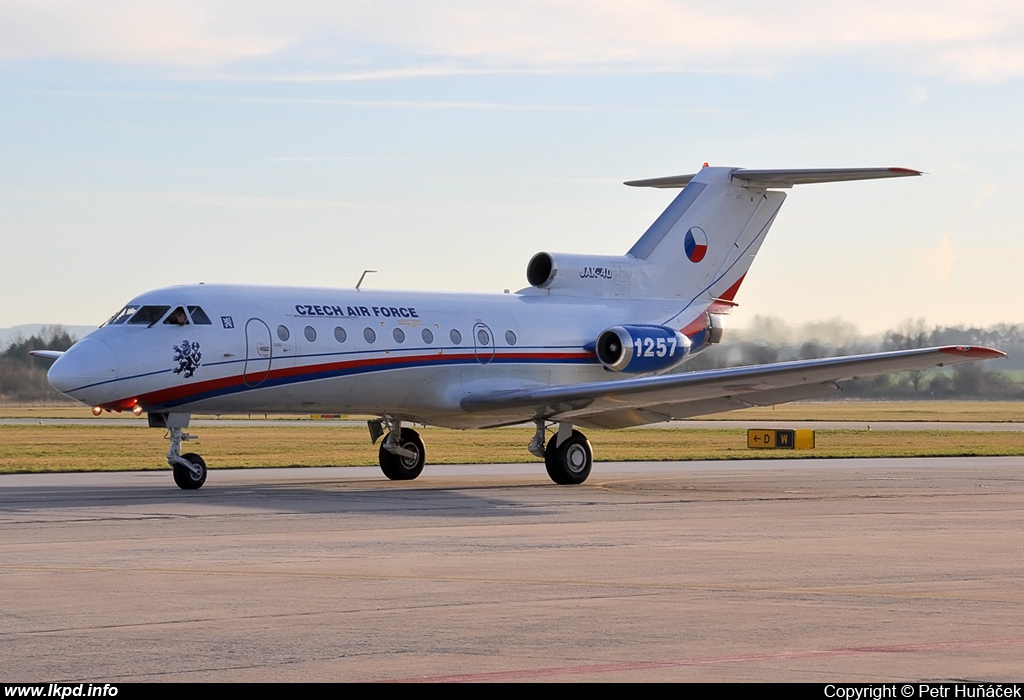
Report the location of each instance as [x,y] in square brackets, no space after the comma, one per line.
[588,275]
[641,349]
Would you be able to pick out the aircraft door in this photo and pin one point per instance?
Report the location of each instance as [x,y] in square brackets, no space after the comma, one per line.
[483,343]
[258,352]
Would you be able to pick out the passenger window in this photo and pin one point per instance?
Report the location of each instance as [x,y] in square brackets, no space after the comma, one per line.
[428,337]
[199,316]
[483,337]
[398,335]
[340,335]
[369,335]
[148,315]
[176,318]
[455,336]
[510,337]
[310,333]
[283,333]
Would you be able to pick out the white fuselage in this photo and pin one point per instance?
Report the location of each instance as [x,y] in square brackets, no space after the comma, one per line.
[412,355]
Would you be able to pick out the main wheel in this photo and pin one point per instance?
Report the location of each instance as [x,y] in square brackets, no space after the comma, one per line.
[399,468]
[185,478]
[570,462]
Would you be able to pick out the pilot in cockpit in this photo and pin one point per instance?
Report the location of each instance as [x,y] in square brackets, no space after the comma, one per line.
[178,317]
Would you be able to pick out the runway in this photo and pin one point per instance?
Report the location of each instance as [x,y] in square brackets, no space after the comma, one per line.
[813,570]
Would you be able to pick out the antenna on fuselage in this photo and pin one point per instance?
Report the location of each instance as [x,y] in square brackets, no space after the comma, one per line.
[361,277]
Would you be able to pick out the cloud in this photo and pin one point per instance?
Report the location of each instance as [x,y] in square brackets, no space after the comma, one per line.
[186,200]
[162,32]
[940,260]
[917,94]
[980,42]
[986,191]
[986,63]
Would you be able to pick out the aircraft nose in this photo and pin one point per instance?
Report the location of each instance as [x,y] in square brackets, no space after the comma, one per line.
[85,372]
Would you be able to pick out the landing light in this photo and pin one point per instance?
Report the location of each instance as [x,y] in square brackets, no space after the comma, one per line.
[137,409]
[96,410]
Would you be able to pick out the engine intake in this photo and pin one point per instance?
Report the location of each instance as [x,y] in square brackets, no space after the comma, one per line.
[541,270]
[641,349]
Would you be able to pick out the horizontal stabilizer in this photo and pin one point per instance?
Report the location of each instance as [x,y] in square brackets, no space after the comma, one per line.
[783,178]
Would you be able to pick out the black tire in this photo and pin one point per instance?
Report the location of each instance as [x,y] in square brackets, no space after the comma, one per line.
[398,468]
[571,462]
[184,477]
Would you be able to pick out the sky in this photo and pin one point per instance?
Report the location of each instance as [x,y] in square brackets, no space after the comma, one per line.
[442,144]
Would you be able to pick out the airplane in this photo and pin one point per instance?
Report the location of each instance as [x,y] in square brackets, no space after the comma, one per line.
[594,341]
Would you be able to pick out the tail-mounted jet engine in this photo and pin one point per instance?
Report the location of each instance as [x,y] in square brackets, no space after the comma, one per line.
[641,349]
[606,276]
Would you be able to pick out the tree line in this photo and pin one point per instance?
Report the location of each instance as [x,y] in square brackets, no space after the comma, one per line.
[22,376]
[770,340]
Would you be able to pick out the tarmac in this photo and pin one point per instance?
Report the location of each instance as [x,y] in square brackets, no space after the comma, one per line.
[832,571]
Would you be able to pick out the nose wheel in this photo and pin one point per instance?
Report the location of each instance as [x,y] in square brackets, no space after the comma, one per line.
[192,475]
[189,469]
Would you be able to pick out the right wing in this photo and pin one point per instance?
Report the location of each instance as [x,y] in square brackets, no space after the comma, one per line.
[638,401]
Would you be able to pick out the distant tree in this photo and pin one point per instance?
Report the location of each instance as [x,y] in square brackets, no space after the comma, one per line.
[757,354]
[967,379]
[911,333]
[812,350]
[49,338]
[22,376]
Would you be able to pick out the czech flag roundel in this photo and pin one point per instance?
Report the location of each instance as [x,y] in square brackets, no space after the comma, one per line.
[696,244]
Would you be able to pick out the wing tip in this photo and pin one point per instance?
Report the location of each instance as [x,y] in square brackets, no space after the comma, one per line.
[973,352]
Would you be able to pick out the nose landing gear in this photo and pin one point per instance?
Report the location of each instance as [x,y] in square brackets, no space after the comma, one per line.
[189,469]
[193,475]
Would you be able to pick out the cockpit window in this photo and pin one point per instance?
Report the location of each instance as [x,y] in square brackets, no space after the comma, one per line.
[176,318]
[148,315]
[121,316]
[199,316]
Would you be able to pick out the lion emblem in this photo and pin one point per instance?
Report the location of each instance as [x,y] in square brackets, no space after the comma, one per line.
[187,356]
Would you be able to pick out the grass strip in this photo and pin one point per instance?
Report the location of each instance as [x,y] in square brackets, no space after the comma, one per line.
[99,447]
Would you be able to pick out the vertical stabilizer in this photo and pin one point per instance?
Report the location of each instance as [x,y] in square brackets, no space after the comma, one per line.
[704,242]
[701,246]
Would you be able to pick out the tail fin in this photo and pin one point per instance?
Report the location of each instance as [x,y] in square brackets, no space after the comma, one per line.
[699,248]
[705,241]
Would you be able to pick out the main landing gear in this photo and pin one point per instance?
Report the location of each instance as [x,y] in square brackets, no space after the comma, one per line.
[567,456]
[401,453]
